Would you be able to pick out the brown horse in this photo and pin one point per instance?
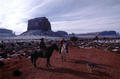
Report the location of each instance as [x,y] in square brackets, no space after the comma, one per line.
[46,53]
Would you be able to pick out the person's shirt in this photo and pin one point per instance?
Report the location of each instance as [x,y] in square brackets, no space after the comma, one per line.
[42,45]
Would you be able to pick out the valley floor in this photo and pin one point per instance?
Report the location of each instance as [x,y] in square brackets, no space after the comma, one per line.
[107,66]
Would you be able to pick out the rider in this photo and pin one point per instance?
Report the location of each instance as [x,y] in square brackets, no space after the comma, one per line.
[61,44]
[63,49]
[43,46]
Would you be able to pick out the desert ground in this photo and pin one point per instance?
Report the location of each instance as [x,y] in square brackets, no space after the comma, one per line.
[75,67]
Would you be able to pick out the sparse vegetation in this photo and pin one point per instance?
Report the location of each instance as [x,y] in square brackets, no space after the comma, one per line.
[74,39]
[1,63]
[17,73]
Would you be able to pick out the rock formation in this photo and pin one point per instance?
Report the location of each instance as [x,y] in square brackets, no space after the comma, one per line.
[61,33]
[108,33]
[6,33]
[41,26]
[40,23]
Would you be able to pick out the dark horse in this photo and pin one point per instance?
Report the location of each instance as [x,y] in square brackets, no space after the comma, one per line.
[47,54]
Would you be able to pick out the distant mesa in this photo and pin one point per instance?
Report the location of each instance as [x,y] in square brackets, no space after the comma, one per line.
[42,27]
[41,23]
[6,33]
[108,33]
[61,33]
[99,34]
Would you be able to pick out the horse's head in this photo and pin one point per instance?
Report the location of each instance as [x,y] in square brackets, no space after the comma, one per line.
[55,47]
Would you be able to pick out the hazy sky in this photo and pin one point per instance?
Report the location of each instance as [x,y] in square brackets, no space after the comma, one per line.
[78,16]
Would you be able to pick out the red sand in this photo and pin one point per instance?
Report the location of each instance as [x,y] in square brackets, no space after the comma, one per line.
[74,68]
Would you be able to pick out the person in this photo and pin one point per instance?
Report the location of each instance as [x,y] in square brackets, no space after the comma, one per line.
[63,49]
[63,41]
[43,46]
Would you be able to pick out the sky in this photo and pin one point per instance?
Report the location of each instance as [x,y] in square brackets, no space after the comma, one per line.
[72,16]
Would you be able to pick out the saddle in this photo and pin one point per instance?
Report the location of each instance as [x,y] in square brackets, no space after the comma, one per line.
[43,52]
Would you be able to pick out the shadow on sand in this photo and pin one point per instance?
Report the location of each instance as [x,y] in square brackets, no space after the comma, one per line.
[102,66]
[71,72]
[101,74]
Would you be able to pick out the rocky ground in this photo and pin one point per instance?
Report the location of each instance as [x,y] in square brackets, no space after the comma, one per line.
[106,66]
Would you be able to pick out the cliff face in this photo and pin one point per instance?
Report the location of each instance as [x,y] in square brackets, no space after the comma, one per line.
[40,23]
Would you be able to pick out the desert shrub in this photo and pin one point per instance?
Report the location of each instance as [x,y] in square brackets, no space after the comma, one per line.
[95,38]
[17,73]
[74,39]
[1,63]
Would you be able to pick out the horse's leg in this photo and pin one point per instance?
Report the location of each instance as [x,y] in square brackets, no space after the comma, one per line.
[48,62]
[32,58]
[62,57]
[65,56]
[35,58]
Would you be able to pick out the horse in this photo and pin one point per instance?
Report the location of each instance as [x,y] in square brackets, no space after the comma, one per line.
[44,53]
[64,51]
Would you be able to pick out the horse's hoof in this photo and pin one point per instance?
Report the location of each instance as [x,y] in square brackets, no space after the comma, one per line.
[47,66]
[35,66]
[50,65]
